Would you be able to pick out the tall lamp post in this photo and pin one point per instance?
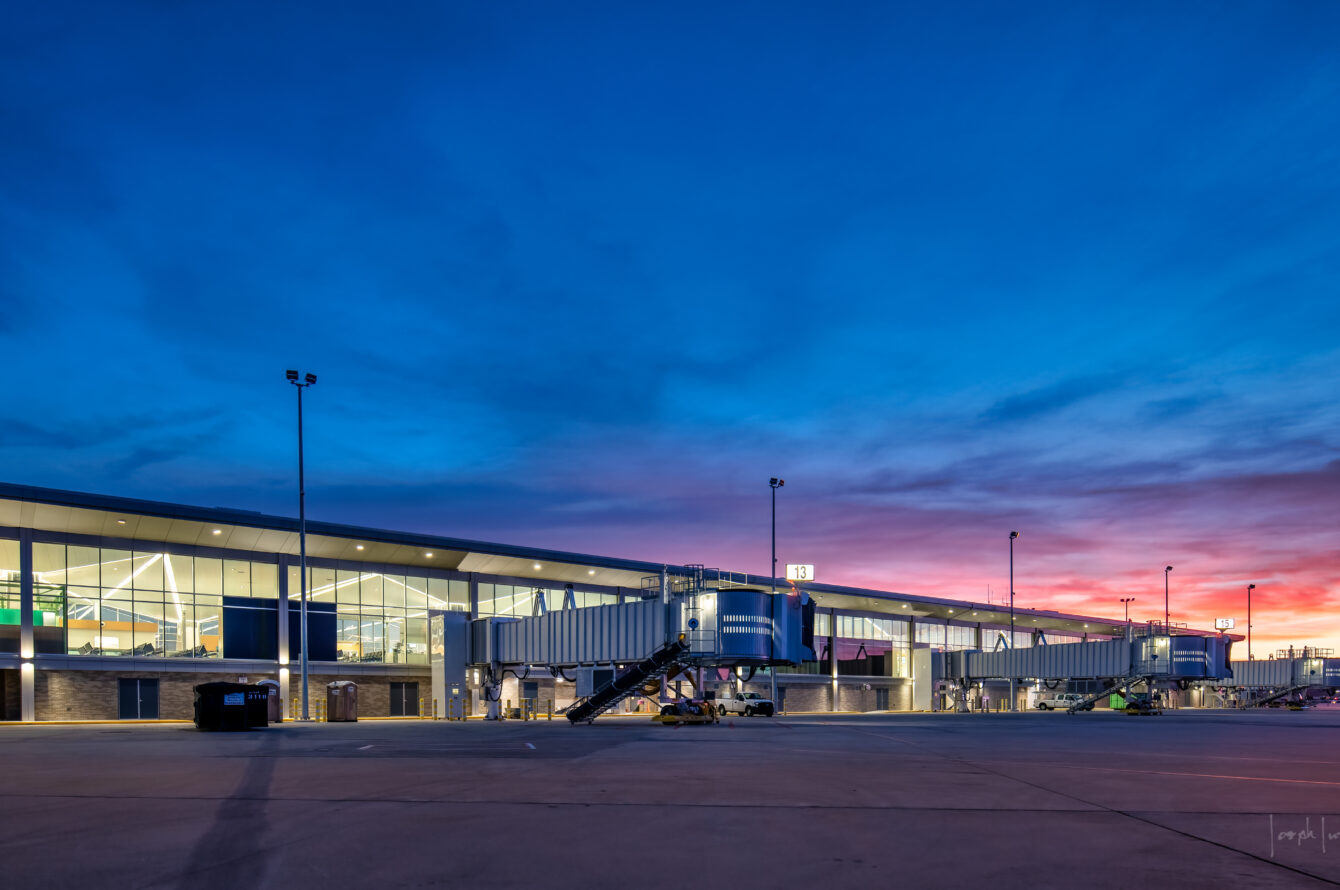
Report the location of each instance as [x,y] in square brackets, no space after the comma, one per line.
[775,483]
[1012,536]
[1126,602]
[307,381]
[1250,588]
[1166,629]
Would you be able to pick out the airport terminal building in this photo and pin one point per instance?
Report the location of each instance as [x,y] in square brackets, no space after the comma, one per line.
[116,608]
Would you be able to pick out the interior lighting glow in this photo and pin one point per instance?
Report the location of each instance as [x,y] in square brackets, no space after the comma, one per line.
[133,575]
[358,547]
[536,567]
[590,571]
[172,584]
[429,555]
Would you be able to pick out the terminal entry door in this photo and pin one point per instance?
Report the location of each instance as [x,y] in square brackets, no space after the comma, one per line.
[404,699]
[138,699]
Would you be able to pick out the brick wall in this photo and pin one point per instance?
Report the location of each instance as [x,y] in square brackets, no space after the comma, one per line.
[94,695]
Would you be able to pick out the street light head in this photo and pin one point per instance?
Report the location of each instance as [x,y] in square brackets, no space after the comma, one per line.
[1251,586]
[291,375]
[773,481]
[311,378]
[1168,569]
[1013,535]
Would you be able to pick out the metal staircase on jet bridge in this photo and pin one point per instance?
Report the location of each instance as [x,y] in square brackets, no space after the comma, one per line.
[630,682]
[1092,697]
[1268,697]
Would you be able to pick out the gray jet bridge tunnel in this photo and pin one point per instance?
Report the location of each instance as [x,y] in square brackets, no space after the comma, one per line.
[704,619]
[1117,664]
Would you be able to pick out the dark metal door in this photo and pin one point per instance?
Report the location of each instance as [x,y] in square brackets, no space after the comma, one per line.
[137,699]
[129,703]
[148,699]
[404,699]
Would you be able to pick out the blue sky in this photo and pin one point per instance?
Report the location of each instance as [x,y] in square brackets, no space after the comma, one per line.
[586,277]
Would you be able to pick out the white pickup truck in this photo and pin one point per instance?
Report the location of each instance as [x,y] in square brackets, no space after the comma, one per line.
[749,704]
[1056,702]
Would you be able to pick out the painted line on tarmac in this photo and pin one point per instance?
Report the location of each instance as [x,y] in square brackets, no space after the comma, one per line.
[530,746]
[1155,772]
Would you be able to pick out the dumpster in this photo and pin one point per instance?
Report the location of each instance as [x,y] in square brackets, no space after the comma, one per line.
[230,707]
[342,702]
[275,705]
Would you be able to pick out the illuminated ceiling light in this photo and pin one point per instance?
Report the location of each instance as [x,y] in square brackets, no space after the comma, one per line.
[120,522]
[429,554]
[358,547]
[536,567]
[590,571]
[217,531]
[904,605]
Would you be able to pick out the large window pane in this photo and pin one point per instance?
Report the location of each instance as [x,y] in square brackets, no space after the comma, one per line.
[115,569]
[49,562]
[147,569]
[82,620]
[209,576]
[416,640]
[439,595]
[321,585]
[236,577]
[208,625]
[146,628]
[370,589]
[394,591]
[265,580]
[346,586]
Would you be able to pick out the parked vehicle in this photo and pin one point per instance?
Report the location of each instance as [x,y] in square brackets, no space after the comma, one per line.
[1061,701]
[750,704]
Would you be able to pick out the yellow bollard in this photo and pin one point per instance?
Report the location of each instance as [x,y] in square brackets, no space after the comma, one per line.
[551,709]
[507,707]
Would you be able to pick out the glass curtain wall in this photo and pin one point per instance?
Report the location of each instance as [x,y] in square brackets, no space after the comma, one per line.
[520,600]
[380,617]
[140,602]
[10,608]
[866,647]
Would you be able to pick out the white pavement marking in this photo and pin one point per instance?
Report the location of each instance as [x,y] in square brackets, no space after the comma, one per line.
[365,747]
[530,746]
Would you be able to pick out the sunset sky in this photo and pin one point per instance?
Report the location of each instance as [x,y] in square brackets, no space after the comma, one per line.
[586,276]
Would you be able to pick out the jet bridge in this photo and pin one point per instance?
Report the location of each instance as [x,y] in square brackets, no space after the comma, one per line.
[1289,672]
[1118,664]
[702,619]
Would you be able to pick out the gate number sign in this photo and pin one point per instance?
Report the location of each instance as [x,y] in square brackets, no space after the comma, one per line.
[799,572]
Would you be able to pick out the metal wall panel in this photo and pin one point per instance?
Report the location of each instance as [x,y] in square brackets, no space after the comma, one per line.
[1105,658]
[598,634]
[1262,673]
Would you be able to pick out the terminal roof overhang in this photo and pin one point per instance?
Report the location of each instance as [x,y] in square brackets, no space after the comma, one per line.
[131,519]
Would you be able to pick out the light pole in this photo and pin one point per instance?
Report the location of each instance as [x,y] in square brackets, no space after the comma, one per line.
[1126,602]
[1013,535]
[1250,588]
[1166,629]
[775,483]
[307,381]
